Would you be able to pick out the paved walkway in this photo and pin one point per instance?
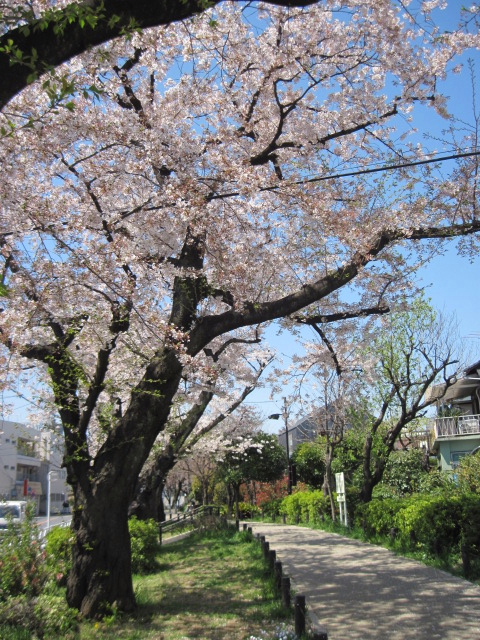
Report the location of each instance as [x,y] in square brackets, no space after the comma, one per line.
[362,592]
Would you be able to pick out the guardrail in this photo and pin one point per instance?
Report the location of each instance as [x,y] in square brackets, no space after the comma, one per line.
[189,517]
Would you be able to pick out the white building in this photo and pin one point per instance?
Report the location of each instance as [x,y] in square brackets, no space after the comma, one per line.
[27,456]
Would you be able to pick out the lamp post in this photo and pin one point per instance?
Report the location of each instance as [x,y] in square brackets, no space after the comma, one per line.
[49,480]
[276,416]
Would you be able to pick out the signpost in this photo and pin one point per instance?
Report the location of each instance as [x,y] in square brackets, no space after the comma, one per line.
[341,498]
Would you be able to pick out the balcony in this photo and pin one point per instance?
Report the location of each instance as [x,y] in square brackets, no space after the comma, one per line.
[457,426]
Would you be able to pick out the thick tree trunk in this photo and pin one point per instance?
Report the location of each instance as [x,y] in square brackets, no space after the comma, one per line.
[101,574]
[103,490]
[367,489]
[148,500]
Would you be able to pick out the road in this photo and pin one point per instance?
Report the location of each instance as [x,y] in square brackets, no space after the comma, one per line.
[54,521]
[359,591]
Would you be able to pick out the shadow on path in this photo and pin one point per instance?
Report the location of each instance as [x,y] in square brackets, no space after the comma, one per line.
[362,592]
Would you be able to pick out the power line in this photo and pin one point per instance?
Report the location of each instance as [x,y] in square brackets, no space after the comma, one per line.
[356,172]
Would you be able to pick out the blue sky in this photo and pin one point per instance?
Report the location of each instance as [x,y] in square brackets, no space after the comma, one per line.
[451,282]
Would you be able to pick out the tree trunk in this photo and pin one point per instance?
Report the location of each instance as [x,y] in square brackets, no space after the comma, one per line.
[148,500]
[328,481]
[100,578]
[103,490]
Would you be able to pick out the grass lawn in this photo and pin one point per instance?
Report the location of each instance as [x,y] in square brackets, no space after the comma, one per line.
[209,586]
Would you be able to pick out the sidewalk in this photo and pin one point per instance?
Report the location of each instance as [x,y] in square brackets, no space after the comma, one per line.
[358,591]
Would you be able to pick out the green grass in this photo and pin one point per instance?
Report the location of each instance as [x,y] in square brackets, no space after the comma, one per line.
[210,586]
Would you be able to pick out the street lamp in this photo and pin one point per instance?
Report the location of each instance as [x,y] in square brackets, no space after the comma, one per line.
[49,482]
[276,416]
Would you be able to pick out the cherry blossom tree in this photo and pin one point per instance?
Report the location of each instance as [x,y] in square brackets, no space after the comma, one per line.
[205,416]
[37,36]
[192,202]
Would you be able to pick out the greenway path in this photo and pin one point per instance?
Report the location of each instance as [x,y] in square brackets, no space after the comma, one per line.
[357,591]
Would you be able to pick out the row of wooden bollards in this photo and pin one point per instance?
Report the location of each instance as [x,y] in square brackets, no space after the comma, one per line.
[282,583]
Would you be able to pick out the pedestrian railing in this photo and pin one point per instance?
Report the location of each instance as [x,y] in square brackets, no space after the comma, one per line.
[190,517]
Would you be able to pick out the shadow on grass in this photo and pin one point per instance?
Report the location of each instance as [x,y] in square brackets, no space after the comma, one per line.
[208,587]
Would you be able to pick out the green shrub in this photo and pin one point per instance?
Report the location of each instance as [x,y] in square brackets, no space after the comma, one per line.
[446,526]
[272,508]
[291,507]
[248,510]
[377,518]
[22,560]
[9,632]
[59,547]
[470,536]
[431,523]
[317,506]
[47,615]
[145,544]
[306,506]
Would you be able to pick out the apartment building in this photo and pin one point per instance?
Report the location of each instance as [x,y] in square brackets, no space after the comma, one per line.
[30,463]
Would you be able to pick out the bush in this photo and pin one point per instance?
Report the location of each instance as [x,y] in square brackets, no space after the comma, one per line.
[31,605]
[291,507]
[378,517]
[446,526]
[306,506]
[431,523]
[248,510]
[47,615]
[315,506]
[145,545]
[272,509]
[59,548]
[22,560]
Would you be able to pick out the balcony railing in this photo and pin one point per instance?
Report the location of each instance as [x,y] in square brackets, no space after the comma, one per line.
[457,426]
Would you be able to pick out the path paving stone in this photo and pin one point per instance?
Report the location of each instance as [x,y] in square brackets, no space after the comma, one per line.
[359,591]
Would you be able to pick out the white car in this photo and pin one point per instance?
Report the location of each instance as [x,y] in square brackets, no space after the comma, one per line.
[12,511]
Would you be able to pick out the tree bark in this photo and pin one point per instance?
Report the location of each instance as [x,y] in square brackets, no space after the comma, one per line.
[148,501]
[103,490]
[101,574]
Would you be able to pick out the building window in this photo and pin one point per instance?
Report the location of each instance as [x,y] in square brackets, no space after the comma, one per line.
[456,456]
[26,448]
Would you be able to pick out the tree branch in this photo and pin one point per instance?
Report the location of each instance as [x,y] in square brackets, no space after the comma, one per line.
[45,43]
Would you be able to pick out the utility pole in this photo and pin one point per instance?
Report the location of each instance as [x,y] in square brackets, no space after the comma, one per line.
[289,467]
[276,416]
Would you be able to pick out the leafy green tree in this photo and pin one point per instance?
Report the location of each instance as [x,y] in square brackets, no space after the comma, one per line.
[414,350]
[262,460]
[468,473]
[404,471]
[309,459]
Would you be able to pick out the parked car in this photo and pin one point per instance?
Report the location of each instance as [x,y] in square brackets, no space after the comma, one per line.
[12,511]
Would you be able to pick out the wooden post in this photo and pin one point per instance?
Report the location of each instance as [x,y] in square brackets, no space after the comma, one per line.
[286,599]
[300,614]
[250,530]
[244,526]
[277,570]
[272,556]
[266,548]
